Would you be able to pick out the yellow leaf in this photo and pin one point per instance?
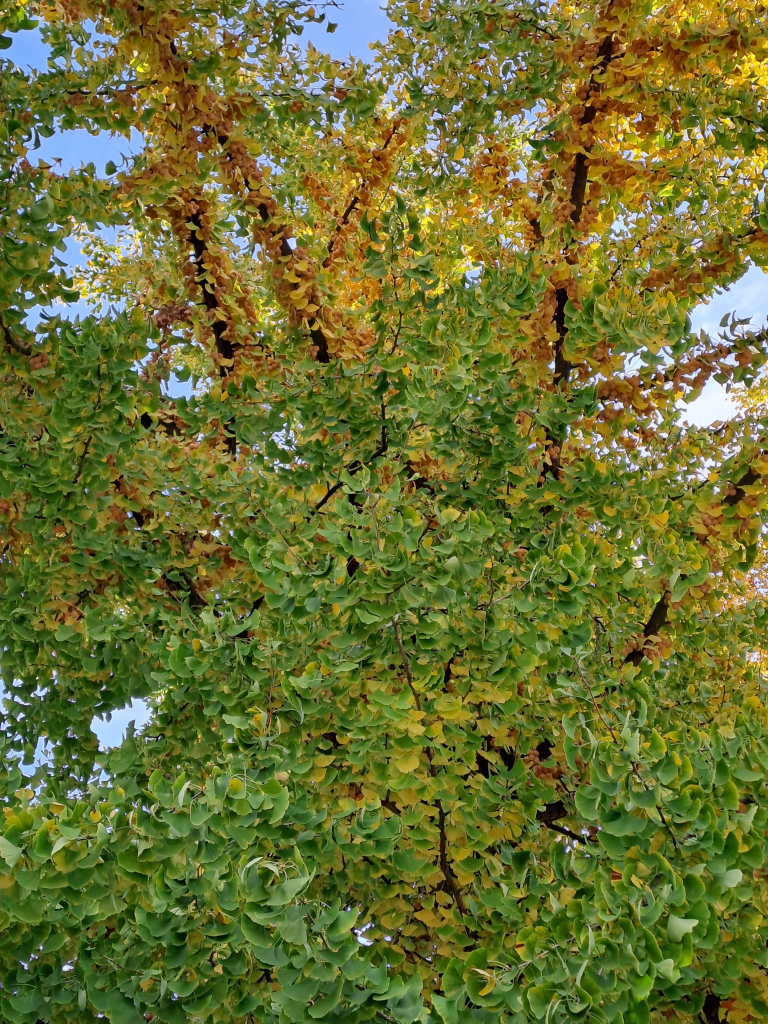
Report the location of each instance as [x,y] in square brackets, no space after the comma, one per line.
[316,492]
[464,877]
[409,763]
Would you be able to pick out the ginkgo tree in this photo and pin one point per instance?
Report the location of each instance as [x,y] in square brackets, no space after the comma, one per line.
[358,450]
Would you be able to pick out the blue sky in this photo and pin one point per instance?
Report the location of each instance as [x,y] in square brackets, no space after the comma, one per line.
[359,22]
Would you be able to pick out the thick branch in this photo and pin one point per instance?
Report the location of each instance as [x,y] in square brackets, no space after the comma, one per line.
[710,1012]
[19,346]
[749,478]
[579,188]
[352,206]
[580,173]
[652,627]
[316,333]
[554,812]
[219,327]
[551,813]
[319,339]
[578,197]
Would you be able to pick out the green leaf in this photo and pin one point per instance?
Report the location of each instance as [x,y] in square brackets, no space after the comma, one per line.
[666,969]
[540,999]
[677,927]
[121,1011]
[322,1007]
[729,879]
[587,800]
[288,890]
[42,210]
[729,796]
[9,852]
[657,747]
[642,986]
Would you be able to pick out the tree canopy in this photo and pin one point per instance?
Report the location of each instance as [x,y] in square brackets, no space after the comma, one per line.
[358,450]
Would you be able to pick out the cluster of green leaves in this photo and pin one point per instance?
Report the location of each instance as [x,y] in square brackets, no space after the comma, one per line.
[199,935]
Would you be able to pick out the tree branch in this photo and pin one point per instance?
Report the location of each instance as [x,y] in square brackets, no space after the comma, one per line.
[710,1012]
[653,625]
[661,611]
[219,327]
[83,457]
[403,653]
[561,830]
[578,197]
[749,478]
[19,346]
[356,466]
[445,865]
[319,339]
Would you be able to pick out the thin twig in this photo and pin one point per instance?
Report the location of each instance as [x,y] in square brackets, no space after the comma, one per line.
[82,459]
[666,826]
[566,832]
[356,466]
[595,705]
[404,656]
[445,864]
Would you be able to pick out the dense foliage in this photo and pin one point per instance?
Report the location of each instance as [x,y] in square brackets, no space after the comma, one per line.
[368,469]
